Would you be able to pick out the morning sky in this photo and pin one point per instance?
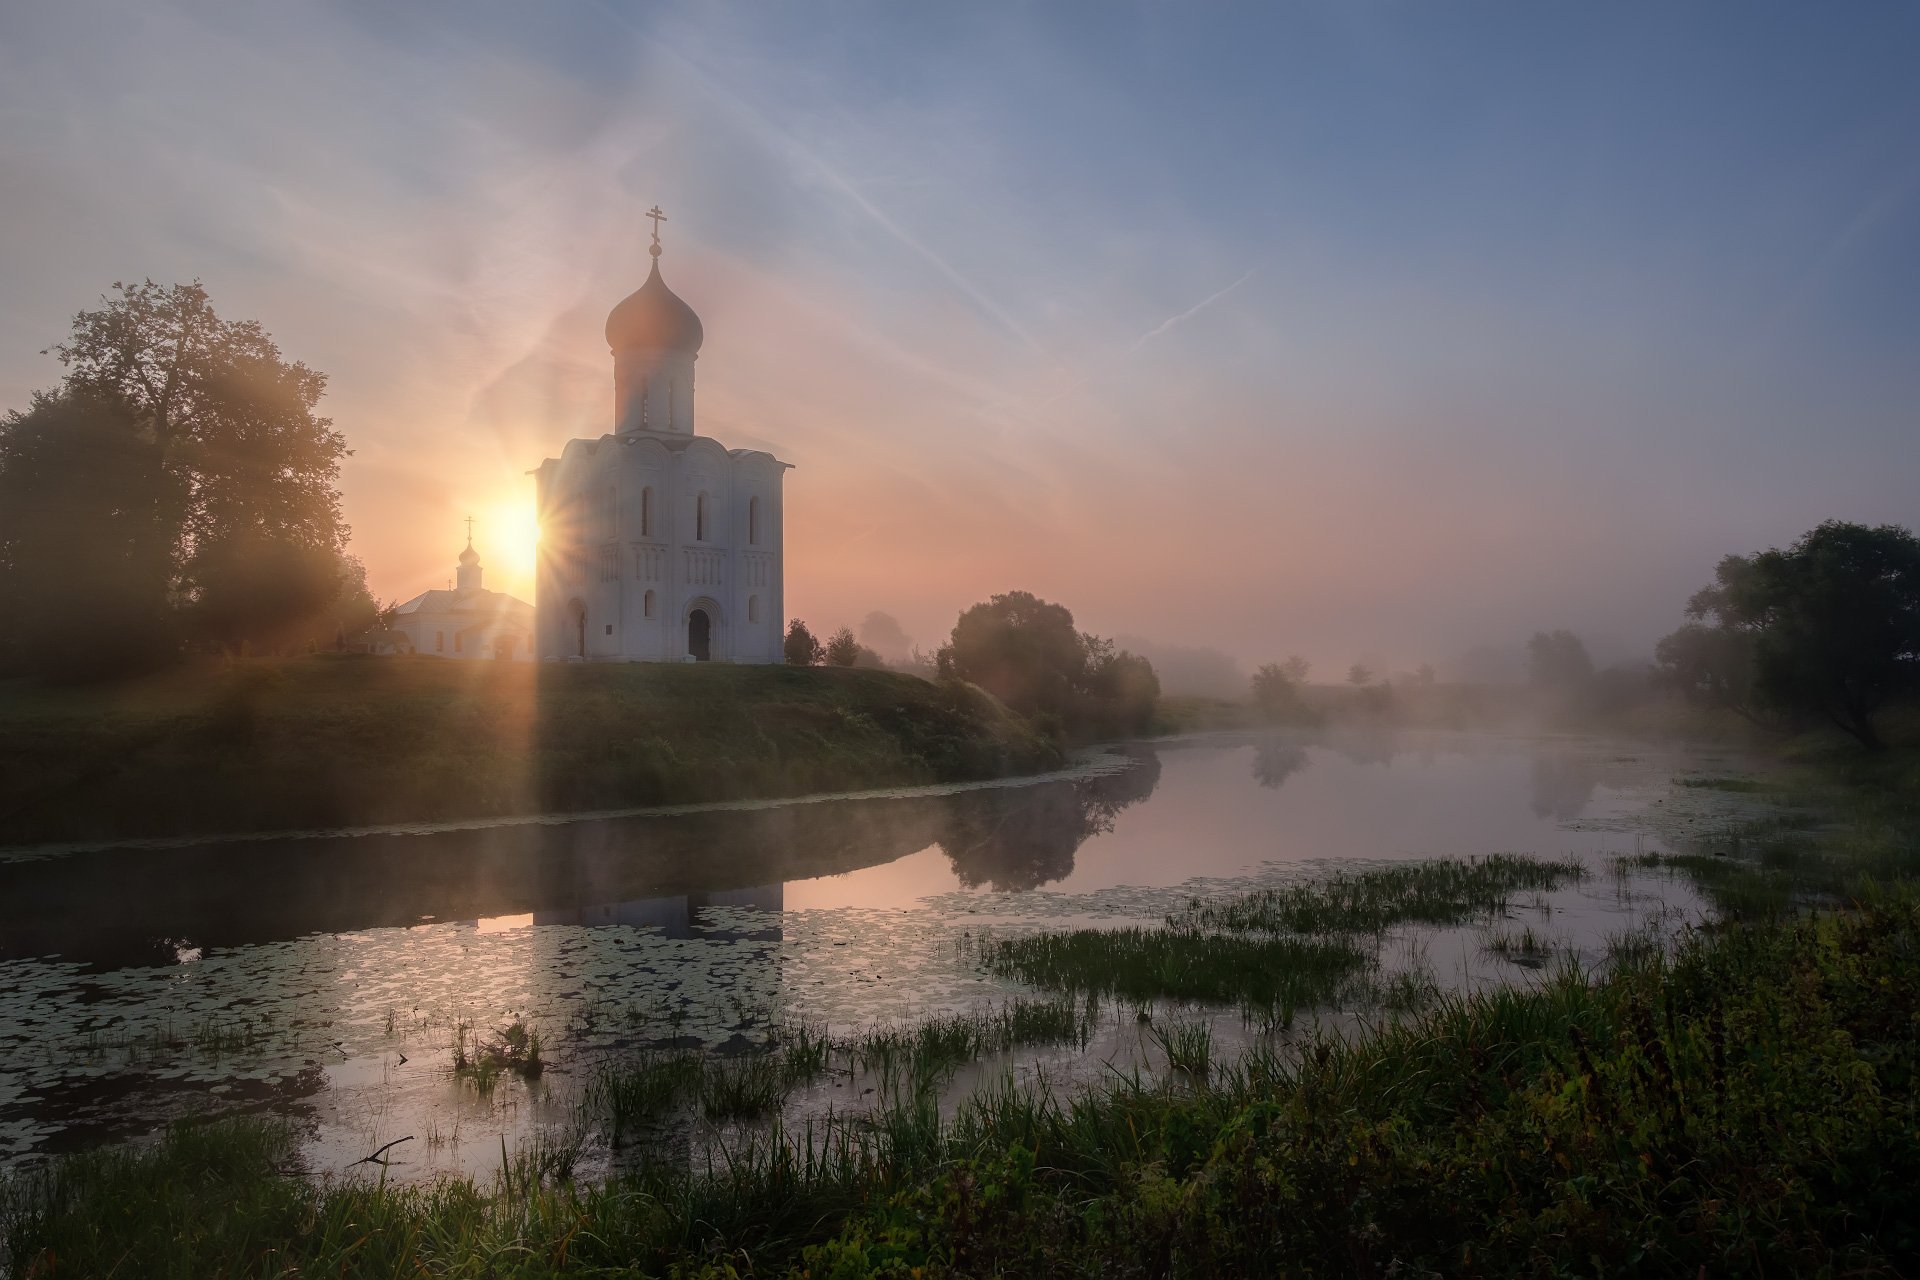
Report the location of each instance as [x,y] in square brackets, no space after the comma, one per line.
[1354,330]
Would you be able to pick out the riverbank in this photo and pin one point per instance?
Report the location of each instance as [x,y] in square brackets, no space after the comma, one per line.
[332,742]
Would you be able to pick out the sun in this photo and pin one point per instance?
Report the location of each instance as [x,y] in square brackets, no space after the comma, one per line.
[510,531]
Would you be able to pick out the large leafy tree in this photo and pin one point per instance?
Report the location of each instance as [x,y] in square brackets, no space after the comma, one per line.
[232,426]
[1022,649]
[1027,652]
[88,516]
[1826,630]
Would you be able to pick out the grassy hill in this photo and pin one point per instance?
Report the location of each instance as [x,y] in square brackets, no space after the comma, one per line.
[349,741]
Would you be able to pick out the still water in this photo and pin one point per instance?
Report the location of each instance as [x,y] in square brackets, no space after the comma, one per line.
[326,977]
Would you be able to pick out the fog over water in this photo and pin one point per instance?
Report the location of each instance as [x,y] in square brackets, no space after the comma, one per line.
[1293,330]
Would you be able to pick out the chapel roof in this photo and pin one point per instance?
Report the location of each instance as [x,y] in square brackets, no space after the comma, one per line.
[479,602]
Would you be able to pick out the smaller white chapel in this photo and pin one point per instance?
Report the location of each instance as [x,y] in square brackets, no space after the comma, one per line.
[658,544]
[468,621]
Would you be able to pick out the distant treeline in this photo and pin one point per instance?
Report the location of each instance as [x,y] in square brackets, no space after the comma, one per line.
[1823,634]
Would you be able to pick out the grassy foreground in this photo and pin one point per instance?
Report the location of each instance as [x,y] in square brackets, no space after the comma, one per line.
[1747,1106]
[346,741]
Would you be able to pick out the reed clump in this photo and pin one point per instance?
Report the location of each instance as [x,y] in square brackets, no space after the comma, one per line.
[1440,892]
[1277,951]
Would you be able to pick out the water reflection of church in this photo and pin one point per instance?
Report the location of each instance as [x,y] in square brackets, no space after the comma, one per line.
[1007,839]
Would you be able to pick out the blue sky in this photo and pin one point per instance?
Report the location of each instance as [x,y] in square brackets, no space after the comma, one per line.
[1357,330]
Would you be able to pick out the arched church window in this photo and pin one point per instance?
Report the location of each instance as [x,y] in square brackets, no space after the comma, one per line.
[646,512]
[753,608]
[753,521]
[700,518]
[646,604]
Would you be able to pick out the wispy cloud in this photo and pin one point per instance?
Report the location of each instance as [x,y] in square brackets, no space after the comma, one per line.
[1175,321]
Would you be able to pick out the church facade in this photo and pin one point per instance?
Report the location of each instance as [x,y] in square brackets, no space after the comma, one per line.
[659,544]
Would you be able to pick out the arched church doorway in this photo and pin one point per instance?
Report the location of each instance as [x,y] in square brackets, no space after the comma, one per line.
[577,613]
[700,635]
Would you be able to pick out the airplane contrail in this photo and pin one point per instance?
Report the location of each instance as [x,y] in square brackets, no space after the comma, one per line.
[1172,322]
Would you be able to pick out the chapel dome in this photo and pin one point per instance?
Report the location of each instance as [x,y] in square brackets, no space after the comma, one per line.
[654,317]
[469,556]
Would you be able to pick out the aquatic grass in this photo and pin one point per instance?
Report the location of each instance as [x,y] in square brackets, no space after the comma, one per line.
[1439,892]
[514,1050]
[1400,992]
[1187,1046]
[1526,948]
[631,1096]
[924,1052]
[1034,1022]
[742,1087]
[1144,965]
[806,1050]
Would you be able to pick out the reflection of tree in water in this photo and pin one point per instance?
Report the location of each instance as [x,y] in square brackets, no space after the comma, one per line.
[1563,783]
[1018,838]
[1276,759]
[1366,744]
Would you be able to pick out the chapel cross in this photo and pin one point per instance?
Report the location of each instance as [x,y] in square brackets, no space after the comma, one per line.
[469,530]
[658,218]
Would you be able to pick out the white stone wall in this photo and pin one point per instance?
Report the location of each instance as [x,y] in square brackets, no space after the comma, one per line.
[460,635]
[621,517]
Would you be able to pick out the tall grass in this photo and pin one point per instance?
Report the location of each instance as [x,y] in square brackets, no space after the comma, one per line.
[636,1097]
[1144,965]
[1439,892]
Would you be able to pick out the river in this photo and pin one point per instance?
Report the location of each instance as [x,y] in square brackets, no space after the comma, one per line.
[325,977]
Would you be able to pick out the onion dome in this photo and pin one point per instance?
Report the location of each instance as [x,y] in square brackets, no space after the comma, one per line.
[654,317]
[469,557]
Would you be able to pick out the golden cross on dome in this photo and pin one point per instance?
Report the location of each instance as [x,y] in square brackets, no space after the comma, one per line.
[469,530]
[658,218]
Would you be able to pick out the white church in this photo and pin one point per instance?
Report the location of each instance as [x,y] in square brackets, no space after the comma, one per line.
[658,544]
